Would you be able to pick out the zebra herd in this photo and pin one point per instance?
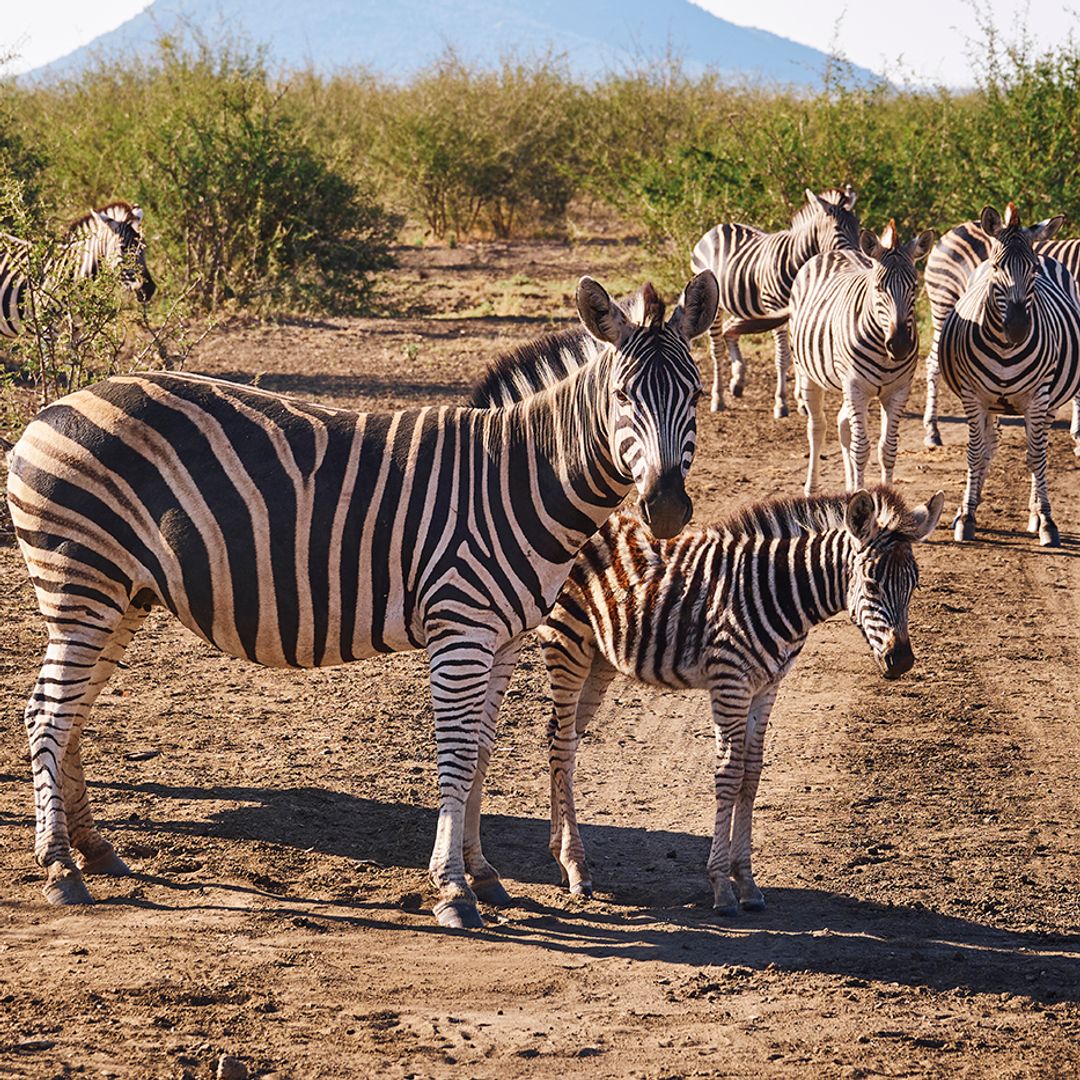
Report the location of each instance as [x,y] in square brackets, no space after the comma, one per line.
[297,535]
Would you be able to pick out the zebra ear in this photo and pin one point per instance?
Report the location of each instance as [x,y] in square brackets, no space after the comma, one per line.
[696,309]
[850,196]
[990,221]
[921,245]
[1044,230]
[925,518]
[869,244]
[860,517]
[601,316]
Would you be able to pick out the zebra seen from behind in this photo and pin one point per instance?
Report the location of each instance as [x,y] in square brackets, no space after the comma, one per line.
[955,257]
[725,609]
[111,236]
[1011,344]
[853,329]
[297,535]
[756,271]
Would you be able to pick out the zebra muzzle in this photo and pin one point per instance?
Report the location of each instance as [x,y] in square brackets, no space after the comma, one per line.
[667,507]
[897,659]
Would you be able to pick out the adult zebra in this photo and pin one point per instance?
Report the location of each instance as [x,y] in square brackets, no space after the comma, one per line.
[725,609]
[956,256]
[1011,343]
[853,330]
[756,271]
[297,535]
[111,236]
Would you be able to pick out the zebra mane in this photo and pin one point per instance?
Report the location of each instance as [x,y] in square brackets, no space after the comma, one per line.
[807,212]
[788,518]
[118,210]
[545,361]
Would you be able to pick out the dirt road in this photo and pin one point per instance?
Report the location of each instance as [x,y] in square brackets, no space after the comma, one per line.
[917,841]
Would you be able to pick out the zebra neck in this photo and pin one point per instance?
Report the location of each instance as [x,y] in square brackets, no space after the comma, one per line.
[798,246]
[812,573]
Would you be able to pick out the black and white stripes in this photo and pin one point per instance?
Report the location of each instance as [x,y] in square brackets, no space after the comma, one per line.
[297,535]
[111,236]
[725,609]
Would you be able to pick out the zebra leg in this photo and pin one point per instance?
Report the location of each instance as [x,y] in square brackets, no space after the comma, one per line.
[1074,426]
[730,708]
[716,346]
[96,854]
[460,673]
[783,365]
[1036,424]
[482,876]
[58,707]
[932,436]
[738,365]
[576,702]
[742,875]
[982,439]
[814,396]
[892,406]
[857,402]
[843,433]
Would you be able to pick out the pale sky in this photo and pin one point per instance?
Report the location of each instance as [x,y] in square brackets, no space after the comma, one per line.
[920,39]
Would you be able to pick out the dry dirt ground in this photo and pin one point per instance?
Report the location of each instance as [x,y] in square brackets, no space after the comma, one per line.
[917,841]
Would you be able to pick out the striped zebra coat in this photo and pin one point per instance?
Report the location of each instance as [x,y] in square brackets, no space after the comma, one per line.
[853,329]
[725,609]
[1011,343]
[956,256]
[111,236]
[756,271]
[297,535]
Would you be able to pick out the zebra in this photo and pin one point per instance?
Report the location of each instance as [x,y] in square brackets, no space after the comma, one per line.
[853,329]
[955,257]
[756,270]
[111,236]
[1011,343]
[297,535]
[725,609]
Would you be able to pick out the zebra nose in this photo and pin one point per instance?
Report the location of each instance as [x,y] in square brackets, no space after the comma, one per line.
[666,507]
[899,344]
[897,659]
[1017,321]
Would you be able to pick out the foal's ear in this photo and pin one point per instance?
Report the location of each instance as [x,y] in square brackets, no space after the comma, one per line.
[860,517]
[601,316]
[926,517]
[696,309]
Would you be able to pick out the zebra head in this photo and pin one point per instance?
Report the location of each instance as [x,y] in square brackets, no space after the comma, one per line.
[884,573]
[113,237]
[831,215]
[1013,268]
[654,386]
[893,286]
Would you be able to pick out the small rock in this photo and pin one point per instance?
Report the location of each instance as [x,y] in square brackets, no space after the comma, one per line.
[230,1068]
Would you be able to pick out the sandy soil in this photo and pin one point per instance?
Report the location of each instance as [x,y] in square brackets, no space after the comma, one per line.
[917,841]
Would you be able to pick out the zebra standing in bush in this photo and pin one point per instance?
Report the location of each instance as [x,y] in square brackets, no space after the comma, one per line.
[956,256]
[111,236]
[725,609]
[1011,343]
[756,270]
[296,535]
[853,330]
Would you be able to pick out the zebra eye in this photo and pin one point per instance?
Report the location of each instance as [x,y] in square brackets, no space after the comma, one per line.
[695,396]
[622,397]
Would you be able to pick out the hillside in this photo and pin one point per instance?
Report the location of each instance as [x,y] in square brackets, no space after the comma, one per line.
[400,38]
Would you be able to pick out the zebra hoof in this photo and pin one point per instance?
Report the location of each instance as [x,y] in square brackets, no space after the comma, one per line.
[1049,535]
[963,528]
[582,888]
[932,438]
[107,864]
[492,892]
[1033,523]
[65,887]
[458,915]
[716,405]
[753,903]
[725,911]
[736,390]
[780,411]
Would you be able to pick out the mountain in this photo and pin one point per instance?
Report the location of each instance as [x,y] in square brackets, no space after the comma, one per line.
[399,37]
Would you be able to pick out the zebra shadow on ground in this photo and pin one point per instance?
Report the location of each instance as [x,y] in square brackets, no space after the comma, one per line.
[653,905]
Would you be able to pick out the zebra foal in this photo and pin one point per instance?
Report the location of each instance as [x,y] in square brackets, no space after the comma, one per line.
[756,271]
[111,236]
[725,609]
[1011,344]
[296,535]
[853,330]
[955,257]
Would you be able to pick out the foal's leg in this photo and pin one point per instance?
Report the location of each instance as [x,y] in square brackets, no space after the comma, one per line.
[742,876]
[483,877]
